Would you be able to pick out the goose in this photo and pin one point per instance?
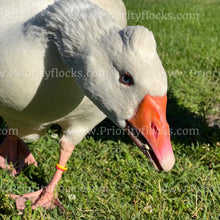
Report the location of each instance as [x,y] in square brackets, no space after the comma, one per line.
[74,63]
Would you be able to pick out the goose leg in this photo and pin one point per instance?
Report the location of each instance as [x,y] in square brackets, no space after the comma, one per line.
[14,150]
[46,197]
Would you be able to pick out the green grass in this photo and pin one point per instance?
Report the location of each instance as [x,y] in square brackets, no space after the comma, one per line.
[108,177]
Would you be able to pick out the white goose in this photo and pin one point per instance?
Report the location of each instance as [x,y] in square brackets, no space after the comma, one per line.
[73,64]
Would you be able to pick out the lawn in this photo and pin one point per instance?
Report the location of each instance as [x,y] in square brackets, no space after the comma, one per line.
[108,177]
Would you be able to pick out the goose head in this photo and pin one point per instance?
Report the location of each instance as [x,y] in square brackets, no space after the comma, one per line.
[124,77]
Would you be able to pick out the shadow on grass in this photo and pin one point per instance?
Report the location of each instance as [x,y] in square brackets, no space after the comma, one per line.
[187,127]
[107,130]
[37,175]
[2,125]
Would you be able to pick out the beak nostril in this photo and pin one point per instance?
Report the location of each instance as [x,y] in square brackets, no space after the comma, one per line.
[155,130]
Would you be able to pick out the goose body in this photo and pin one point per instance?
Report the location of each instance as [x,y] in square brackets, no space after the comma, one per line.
[74,62]
[34,94]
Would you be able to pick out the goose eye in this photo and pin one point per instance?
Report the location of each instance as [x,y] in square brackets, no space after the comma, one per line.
[126,79]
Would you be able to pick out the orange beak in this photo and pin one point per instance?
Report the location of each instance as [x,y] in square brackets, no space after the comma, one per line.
[149,129]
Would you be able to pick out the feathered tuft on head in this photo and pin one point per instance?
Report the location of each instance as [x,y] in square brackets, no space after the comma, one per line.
[139,39]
